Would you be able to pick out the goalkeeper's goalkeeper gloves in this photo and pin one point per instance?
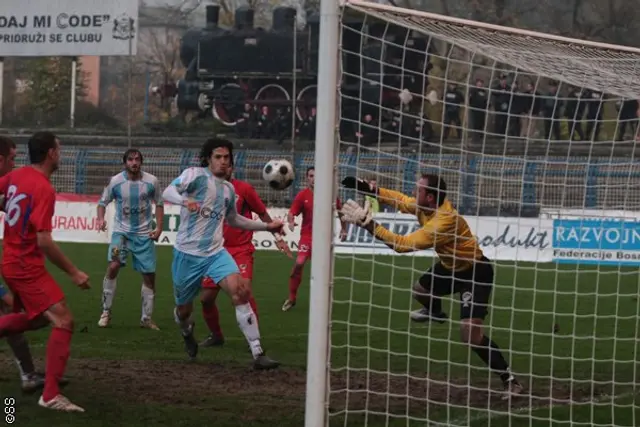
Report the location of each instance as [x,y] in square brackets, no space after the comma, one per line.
[353,213]
[359,184]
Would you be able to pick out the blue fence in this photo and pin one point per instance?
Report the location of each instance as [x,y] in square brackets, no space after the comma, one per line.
[478,184]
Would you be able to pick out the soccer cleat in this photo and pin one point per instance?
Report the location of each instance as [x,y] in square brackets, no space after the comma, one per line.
[190,343]
[212,341]
[149,324]
[105,319]
[264,362]
[423,315]
[35,381]
[60,403]
[288,305]
[512,388]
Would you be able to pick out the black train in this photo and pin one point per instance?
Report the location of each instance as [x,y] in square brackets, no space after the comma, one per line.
[228,69]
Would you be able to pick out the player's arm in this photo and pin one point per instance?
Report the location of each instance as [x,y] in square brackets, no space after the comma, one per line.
[177,192]
[423,238]
[401,202]
[238,221]
[344,228]
[105,199]
[294,211]
[257,206]
[159,201]
[41,218]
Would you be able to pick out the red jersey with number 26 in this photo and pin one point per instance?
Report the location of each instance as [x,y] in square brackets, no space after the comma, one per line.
[247,203]
[29,204]
[303,204]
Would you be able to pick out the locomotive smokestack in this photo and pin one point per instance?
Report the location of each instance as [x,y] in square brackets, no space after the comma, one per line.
[213,13]
[244,18]
[284,18]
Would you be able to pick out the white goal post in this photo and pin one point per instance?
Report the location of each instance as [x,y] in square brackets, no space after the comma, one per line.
[515,178]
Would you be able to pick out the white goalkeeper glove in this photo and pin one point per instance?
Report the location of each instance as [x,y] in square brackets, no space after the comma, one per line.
[353,213]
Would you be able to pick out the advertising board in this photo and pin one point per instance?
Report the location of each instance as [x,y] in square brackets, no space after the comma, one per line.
[68,27]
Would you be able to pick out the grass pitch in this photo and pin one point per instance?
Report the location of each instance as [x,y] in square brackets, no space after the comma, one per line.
[384,370]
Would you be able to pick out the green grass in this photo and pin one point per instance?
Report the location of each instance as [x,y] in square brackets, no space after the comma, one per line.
[124,375]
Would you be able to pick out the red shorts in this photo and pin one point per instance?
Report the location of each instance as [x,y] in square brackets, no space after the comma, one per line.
[34,294]
[304,249]
[245,264]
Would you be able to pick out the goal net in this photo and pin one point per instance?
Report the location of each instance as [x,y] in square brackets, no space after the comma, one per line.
[535,136]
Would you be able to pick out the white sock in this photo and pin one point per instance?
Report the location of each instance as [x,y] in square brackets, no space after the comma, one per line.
[148,296]
[249,326]
[108,292]
[185,325]
[23,376]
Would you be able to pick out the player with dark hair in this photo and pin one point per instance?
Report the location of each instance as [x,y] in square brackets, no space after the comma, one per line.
[303,204]
[31,380]
[239,244]
[200,261]
[134,192]
[462,267]
[29,203]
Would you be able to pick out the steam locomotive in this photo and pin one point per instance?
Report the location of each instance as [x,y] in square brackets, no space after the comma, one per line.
[227,69]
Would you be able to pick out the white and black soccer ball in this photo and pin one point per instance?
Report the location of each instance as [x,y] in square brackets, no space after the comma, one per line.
[279,174]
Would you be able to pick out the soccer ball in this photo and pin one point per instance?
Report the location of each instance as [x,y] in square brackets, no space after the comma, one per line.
[278,174]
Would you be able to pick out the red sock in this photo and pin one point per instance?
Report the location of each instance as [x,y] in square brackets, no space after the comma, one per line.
[212,319]
[58,349]
[13,323]
[254,307]
[294,283]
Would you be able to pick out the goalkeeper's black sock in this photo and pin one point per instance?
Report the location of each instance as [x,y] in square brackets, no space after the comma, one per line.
[433,304]
[490,353]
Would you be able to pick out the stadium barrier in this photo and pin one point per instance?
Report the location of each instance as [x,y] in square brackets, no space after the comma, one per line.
[477,184]
[558,236]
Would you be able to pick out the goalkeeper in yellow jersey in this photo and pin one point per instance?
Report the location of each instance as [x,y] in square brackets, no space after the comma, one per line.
[462,267]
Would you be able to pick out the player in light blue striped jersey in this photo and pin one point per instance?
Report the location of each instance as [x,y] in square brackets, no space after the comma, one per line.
[134,193]
[200,260]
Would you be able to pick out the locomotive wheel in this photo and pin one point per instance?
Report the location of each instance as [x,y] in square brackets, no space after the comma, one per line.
[229,104]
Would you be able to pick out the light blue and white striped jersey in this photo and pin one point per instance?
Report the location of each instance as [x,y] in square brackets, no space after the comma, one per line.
[134,213]
[200,233]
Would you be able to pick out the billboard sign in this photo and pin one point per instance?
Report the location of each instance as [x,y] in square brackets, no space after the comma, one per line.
[68,27]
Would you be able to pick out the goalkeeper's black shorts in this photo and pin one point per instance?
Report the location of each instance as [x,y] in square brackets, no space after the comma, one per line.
[474,286]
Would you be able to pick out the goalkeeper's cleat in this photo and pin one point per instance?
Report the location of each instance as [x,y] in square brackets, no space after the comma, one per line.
[288,304]
[60,403]
[190,343]
[212,341]
[149,324]
[105,319]
[35,381]
[512,388]
[264,362]
[423,315]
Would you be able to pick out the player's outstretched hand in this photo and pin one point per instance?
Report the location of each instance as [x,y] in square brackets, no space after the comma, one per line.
[282,245]
[353,213]
[102,225]
[155,234]
[81,279]
[292,225]
[359,184]
[275,226]
[192,205]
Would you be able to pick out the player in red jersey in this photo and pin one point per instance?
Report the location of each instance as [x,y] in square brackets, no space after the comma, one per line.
[239,243]
[303,204]
[29,202]
[31,380]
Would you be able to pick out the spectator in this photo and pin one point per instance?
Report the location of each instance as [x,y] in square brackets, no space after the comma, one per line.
[478,103]
[501,100]
[574,111]
[453,100]
[551,111]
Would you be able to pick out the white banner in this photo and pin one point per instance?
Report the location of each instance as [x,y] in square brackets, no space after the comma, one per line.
[75,222]
[68,27]
[509,239]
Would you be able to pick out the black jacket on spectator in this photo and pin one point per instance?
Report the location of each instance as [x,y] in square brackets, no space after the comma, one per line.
[501,98]
[628,117]
[453,100]
[551,108]
[574,111]
[594,101]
